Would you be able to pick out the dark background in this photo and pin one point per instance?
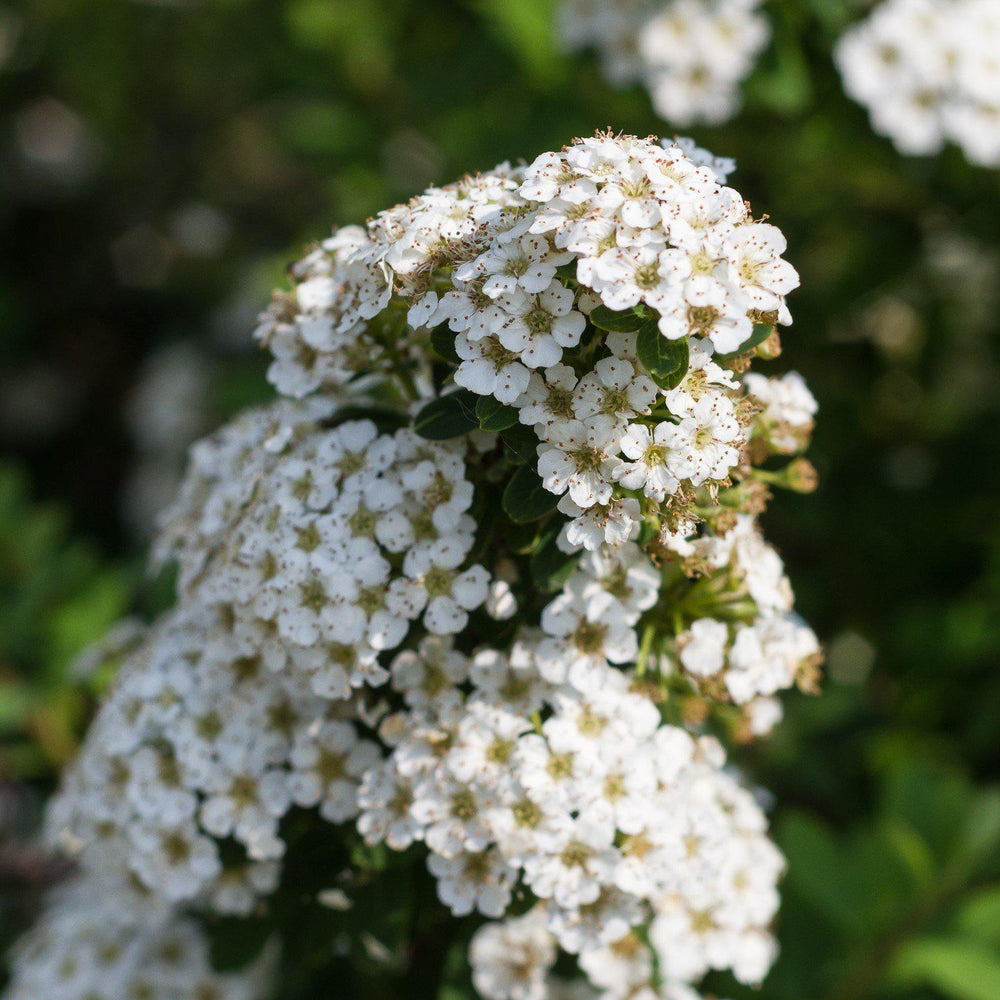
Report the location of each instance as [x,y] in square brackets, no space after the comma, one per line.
[159,164]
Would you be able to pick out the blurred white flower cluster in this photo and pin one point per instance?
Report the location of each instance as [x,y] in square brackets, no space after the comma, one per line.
[104,938]
[167,410]
[482,587]
[691,55]
[929,73]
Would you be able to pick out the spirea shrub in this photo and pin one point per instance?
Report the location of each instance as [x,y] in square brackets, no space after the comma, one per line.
[929,73]
[691,55]
[486,590]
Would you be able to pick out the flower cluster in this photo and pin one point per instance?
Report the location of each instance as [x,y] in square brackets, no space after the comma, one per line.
[327,551]
[509,267]
[199,741]
[572,787]
[929,73]
[691,55]
[483,591]
[514,259]
[743,660]
[102,939]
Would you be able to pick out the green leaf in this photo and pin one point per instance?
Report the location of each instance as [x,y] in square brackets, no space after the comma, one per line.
[619,322]
[912,850]
[521,443]
[526,29]
[550,566]
[525,498]
[235,942]
[937,802]
[979,915]
[494,415]
[523,539]
[783,81]
[761,331]
[978,839]
[447,417]
[961,970]
[369,858]
[443,342]
[667,360]
[817,870]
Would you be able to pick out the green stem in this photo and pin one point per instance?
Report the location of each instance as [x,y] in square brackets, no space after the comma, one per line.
[648,634]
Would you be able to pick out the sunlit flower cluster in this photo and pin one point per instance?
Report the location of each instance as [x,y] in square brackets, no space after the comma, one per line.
[929,73]
[556,775]
[333,547]
[483,589]
[510,265]
[691,55]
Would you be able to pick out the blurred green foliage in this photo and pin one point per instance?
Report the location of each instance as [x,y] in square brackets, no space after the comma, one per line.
[283,118]
[56,597]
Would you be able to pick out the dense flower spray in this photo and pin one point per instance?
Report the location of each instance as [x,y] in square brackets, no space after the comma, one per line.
[929,73]
[691,55]
[487,588]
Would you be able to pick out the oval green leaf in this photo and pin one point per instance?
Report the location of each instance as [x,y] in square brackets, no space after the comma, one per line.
[447,417]
[618,322]
[494,415]
[666,360]
[525,498]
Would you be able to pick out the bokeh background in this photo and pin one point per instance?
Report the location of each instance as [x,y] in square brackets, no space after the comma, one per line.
[159,164]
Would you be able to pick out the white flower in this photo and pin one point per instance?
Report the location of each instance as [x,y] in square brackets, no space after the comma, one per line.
[658,458]
[485,743]
[540,327]
[621,967]
[763,715]
[585,632]
[630,275]
[385,798]
[453,815]
[788,410]
[766,656]
[579,456]
[548,397]
[614,389]
[512,681]
[176,862]
[602,524]
[247,805]
[431,673]
[511,959]
[624,572]
[572,861]
[757,266]
[716,312]
[490,369]
[714,434]
[470,311]
[596,924]
[473,881]
[449,595]
[703,647]
[528,263]
[328,765]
